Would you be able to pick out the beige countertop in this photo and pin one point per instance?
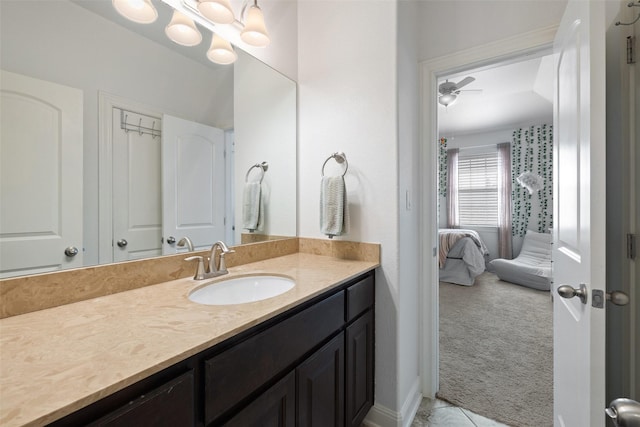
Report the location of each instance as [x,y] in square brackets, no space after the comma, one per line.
[56,361]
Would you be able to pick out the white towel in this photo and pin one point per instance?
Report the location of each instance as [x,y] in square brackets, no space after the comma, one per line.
[334,213]
[252,208]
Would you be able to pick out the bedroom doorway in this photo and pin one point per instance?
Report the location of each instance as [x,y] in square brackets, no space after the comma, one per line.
[495,126]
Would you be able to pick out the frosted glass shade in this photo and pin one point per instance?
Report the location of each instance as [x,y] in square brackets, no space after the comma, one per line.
[255,32]
[217,11]
[140,11]
[182,30]
[221,51]
[447,99]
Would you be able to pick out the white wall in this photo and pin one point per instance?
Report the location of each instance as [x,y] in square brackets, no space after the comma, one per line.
[409,392]
[448,26]
[348,102]
[265,130]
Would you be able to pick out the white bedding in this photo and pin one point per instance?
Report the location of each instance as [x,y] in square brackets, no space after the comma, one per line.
[465,261]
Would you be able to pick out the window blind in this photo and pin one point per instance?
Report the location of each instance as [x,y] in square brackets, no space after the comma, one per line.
[478,189]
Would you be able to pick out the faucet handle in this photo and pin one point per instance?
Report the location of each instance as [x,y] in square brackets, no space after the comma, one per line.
[200,268]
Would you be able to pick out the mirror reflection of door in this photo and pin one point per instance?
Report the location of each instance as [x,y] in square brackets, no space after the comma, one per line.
[193,174]
[137,186]
[40,176]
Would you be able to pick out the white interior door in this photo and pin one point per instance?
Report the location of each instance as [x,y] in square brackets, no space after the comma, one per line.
[579,215]
[40,175]
[193,183]
[137,187]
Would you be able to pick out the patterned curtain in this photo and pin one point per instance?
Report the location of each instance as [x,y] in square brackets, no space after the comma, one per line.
[531,151]
[453,219]
[504,201]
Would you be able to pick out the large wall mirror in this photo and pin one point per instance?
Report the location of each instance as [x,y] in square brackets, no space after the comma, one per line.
[148,140]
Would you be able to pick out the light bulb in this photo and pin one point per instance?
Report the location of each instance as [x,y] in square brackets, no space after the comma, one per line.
[217,11]
[140,11]
[255,31]
[221,51]
[182,30]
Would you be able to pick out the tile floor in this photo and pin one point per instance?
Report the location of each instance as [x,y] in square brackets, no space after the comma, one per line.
[437,413]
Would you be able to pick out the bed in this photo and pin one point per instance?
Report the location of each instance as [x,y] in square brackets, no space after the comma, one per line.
[462,256]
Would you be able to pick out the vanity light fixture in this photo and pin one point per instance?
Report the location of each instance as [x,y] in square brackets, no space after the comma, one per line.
[217,11]
[140,11]
[221,51]
[182,30]
[254,32]
[447,99]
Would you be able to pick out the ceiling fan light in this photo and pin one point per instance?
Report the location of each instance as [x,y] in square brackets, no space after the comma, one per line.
[182,30]
[140,11]
[221,51]
[217,11]
[255,30]
[447,99]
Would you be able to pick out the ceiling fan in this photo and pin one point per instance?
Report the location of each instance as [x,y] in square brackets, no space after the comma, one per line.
[449,91]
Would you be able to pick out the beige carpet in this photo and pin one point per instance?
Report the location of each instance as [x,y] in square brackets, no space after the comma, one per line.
[496,351]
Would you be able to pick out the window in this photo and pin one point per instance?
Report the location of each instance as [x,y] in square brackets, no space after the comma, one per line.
[478,188]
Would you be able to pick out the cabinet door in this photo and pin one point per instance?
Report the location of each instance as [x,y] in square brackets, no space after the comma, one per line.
[321,386]
[359,376]
[171,404]
[273,408]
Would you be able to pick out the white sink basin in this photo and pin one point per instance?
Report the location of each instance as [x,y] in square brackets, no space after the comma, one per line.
[241,290]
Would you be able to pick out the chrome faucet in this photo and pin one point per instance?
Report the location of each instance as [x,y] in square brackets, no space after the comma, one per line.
[186,241]
[213,270]
[222,267]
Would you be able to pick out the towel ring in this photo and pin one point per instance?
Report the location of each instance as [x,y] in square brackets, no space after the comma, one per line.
[340,157]
[264,166]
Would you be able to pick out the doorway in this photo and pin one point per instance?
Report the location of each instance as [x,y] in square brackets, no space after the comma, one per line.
[495,331]
[430,72]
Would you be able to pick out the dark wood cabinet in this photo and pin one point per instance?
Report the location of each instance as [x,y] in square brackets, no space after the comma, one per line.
[239,371]
[169,405]
[321,386]
[274,408]
[309,366]
[359,377]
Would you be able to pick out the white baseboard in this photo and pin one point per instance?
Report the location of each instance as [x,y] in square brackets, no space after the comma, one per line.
[381,416]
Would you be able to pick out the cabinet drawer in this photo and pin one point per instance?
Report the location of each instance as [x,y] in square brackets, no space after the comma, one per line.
[360,297]
[171,404]
[234,374]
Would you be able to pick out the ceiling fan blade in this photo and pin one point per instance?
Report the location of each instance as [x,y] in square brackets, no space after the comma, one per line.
[464,82]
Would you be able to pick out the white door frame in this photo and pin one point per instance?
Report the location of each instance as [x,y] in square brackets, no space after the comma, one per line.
[106,103]
[501,50]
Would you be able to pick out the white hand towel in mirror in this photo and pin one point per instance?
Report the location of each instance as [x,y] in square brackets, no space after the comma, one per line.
[251,205]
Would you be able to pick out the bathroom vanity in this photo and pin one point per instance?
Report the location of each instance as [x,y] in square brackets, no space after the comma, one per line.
[152,357]
[312,365]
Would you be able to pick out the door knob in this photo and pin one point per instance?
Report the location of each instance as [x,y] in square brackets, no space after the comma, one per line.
[71,251]
[618,298]
[171,240]
[624,412]
[566,291]
[122,243]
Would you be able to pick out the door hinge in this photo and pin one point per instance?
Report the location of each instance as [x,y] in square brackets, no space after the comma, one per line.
[631,246]
[631,54]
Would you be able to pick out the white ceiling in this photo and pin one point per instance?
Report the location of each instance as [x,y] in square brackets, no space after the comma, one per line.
[513,94]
